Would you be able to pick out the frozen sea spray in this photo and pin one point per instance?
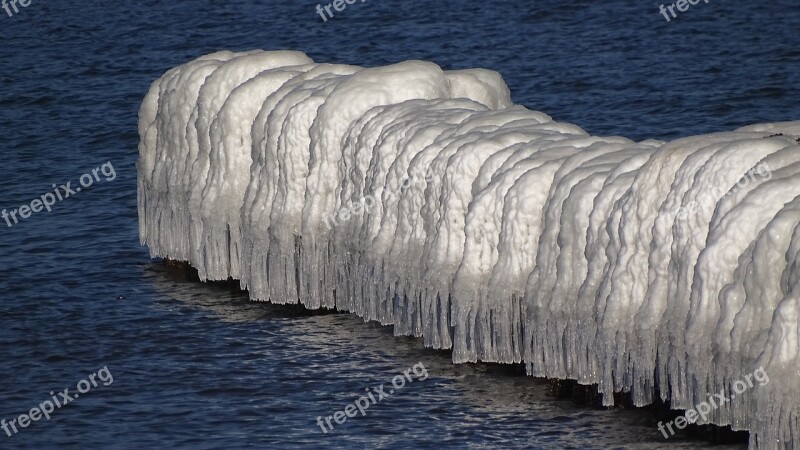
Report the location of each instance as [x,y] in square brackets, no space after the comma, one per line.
[426,199]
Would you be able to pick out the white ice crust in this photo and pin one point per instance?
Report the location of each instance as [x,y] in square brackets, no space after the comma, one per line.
[426,199]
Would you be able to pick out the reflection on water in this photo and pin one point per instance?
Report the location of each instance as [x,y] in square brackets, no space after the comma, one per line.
[465,403]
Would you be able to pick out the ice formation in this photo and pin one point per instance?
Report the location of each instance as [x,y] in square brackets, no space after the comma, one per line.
[425,199]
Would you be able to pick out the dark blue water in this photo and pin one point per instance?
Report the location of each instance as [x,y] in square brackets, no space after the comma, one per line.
[197,365]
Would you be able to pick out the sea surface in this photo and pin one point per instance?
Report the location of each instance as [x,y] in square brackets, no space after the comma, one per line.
[197,365]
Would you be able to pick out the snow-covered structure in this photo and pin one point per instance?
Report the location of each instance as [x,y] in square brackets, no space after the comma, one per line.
[425,199]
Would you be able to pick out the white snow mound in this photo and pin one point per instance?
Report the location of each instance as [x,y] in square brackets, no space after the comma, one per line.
[426,199]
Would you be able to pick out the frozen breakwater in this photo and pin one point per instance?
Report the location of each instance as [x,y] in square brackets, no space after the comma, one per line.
[425,199]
